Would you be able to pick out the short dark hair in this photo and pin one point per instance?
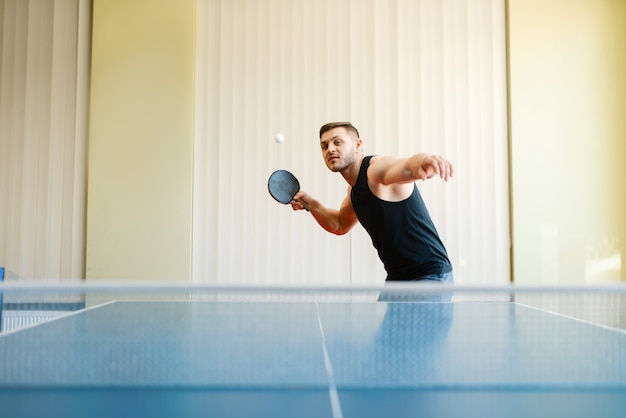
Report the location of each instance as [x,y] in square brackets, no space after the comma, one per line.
[332,125]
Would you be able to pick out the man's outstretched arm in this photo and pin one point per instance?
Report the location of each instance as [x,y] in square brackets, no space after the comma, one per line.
[393,170]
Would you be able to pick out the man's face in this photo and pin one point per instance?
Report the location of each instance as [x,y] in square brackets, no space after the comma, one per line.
[339,148]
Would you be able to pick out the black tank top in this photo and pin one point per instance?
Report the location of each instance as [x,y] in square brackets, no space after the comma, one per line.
[402,232]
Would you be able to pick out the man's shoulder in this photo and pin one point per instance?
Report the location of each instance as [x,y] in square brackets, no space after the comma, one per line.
[379,164]
[384,159]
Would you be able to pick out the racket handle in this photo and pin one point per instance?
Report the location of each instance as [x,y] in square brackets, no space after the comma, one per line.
[307,207]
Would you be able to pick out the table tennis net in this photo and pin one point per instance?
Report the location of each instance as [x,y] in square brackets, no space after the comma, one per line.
[399,336]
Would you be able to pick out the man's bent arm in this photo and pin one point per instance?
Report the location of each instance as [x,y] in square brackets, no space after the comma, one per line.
[338,222]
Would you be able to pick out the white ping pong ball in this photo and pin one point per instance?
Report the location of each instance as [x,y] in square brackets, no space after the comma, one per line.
[279,138]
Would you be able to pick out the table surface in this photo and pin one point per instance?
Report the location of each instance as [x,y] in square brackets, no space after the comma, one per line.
[313,359]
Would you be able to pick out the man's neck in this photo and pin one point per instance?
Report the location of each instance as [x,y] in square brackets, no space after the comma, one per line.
[351,173]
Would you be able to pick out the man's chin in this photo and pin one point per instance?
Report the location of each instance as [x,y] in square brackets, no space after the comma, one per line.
[334,168]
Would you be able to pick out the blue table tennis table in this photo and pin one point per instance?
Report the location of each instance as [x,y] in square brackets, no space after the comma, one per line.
[141,356]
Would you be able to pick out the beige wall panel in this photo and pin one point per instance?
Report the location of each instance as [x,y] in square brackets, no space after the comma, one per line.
[140,147]
[568,100]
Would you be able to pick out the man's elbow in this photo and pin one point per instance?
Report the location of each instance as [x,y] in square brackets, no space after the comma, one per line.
[337,230]
[343,229]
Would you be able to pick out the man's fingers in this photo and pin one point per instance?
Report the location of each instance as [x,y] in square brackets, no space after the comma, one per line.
[437,165]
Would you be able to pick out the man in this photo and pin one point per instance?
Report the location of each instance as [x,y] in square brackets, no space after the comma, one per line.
[383,197]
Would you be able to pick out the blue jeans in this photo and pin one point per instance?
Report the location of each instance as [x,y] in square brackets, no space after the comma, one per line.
[420,296]
[447,278]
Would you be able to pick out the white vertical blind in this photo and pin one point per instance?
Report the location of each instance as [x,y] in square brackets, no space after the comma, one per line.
[44,56]
[412,75]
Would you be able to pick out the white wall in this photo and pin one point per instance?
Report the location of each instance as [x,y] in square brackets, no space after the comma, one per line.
[412,75]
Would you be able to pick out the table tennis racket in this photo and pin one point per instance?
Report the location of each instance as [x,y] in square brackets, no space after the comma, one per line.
[283,186]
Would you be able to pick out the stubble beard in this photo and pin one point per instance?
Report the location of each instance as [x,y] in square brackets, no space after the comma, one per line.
[345,164]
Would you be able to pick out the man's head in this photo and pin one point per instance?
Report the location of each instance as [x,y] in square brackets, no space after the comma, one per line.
[347,125]
[341,145]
